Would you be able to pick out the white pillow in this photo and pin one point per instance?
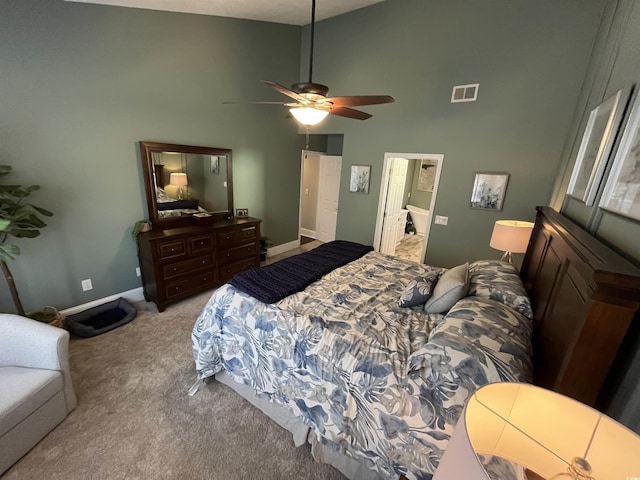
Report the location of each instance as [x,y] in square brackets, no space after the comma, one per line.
[452,286]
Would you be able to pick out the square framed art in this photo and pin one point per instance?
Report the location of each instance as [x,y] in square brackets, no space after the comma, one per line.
[489,190]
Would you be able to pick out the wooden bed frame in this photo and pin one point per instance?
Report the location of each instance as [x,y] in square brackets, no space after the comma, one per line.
[586,300]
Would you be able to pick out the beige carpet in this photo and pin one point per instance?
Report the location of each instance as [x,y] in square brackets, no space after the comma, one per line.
[134,419]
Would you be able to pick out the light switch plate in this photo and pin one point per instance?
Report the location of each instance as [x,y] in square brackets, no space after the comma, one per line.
[441,220]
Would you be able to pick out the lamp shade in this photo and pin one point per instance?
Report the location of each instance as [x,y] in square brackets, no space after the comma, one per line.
[511,236]
[178,179]
[540,430]
[308,116]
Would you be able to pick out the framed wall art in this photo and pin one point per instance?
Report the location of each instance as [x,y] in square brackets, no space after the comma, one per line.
[489,190]
[427,175]
[215,164]
[242,212]
[622,190]
[360,178]
[595,148]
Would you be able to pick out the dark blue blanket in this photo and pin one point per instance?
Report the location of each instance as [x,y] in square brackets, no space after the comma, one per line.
[273,282]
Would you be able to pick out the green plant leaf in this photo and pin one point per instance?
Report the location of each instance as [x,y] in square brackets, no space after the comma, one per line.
[42,211]
[23,233]
[9,252]
[4,224]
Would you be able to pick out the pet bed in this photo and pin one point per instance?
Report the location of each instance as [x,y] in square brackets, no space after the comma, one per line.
[100,319]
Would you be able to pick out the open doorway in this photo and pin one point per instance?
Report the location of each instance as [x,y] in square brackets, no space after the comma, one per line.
[319,196]
[407,199]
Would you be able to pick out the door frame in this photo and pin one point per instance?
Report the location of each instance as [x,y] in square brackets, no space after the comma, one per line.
[306,152]
[384,187]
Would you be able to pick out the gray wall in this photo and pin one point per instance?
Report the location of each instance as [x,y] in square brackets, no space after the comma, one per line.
[82,84]
[615,64]
[530,59]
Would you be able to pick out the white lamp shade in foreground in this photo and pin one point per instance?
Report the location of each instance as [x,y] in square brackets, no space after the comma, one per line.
[511,236]
[308,116]
[539,430]
[178,179]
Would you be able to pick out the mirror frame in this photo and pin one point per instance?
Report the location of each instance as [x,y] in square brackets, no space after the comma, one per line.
[146,151]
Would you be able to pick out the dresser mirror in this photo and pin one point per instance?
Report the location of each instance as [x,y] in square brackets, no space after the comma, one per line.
[185,180]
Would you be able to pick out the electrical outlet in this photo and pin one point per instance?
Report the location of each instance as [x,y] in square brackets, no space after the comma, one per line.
[441,220]
[86,285]
[137,271]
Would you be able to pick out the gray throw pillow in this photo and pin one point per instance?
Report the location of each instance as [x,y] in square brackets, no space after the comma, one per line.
[452,286]
[418,290]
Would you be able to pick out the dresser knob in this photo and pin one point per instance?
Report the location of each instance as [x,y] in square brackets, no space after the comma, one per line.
[201,243]
[204,279]
[228,254]
[175,269]
[204,261]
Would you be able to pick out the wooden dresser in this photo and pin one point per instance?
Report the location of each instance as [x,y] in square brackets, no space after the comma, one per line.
[179,262]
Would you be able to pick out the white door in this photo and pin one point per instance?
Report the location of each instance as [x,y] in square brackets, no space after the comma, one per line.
[394,216]
[328,195]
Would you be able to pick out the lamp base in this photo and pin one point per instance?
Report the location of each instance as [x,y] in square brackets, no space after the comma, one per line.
[506,257]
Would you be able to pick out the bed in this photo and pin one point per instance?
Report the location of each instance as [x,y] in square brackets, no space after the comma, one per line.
[376,388]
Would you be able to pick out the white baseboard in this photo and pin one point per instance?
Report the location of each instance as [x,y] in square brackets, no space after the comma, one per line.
[132,296]
[285,247]
[308,233]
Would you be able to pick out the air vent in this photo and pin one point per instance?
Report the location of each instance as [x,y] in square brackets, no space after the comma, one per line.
[465,93]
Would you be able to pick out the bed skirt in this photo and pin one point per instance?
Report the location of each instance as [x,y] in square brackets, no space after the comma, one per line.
[300,432]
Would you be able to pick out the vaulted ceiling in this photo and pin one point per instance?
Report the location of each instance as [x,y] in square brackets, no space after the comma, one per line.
[292,12]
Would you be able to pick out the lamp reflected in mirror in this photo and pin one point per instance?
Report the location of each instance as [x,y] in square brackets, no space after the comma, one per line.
[180,180]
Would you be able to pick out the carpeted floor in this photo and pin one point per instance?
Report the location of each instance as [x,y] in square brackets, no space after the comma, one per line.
[134,419]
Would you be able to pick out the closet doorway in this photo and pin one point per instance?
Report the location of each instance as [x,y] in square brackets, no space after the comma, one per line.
[319,195]
[407,199]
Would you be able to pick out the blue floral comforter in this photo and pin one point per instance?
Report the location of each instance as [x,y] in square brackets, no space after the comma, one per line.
[378,382]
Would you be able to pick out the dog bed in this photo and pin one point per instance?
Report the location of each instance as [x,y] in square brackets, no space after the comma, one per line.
[100,319]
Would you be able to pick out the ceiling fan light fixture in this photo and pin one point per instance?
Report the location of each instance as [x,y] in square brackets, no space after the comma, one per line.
[308,116]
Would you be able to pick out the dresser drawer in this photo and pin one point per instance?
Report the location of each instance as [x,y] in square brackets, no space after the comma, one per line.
[228,271]
[186,266]
[232,255]
[235,236]
[195,282]
[173,248]
[201,244]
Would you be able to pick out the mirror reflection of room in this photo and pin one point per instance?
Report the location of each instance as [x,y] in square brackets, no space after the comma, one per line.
[198,182]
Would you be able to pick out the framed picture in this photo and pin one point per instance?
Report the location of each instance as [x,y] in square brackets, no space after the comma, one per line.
[595,147]
[215,164]
[489,190]
[242,212]
[360,178]
[622,190]
[427,175]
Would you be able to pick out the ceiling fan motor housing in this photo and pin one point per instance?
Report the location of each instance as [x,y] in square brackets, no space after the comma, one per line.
[310,87]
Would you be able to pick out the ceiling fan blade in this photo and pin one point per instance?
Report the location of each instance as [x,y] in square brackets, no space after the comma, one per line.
[285,91]
[358,100]
[254,103]
[349,113]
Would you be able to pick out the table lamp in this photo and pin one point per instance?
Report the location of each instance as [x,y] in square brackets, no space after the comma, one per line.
[510,236]
[179,180]
[548,434]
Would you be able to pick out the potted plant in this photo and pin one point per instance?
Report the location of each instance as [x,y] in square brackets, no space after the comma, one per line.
[140,226]
[265,244]
[18,219]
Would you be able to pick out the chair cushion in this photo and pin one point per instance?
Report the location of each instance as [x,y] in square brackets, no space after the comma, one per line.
[23,391]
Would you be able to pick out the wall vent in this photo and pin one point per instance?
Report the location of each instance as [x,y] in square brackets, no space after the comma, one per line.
[465,93]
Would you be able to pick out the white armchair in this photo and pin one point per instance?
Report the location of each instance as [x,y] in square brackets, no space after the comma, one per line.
[36,392]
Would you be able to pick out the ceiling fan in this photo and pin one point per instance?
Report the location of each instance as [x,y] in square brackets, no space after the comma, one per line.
[312,105]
